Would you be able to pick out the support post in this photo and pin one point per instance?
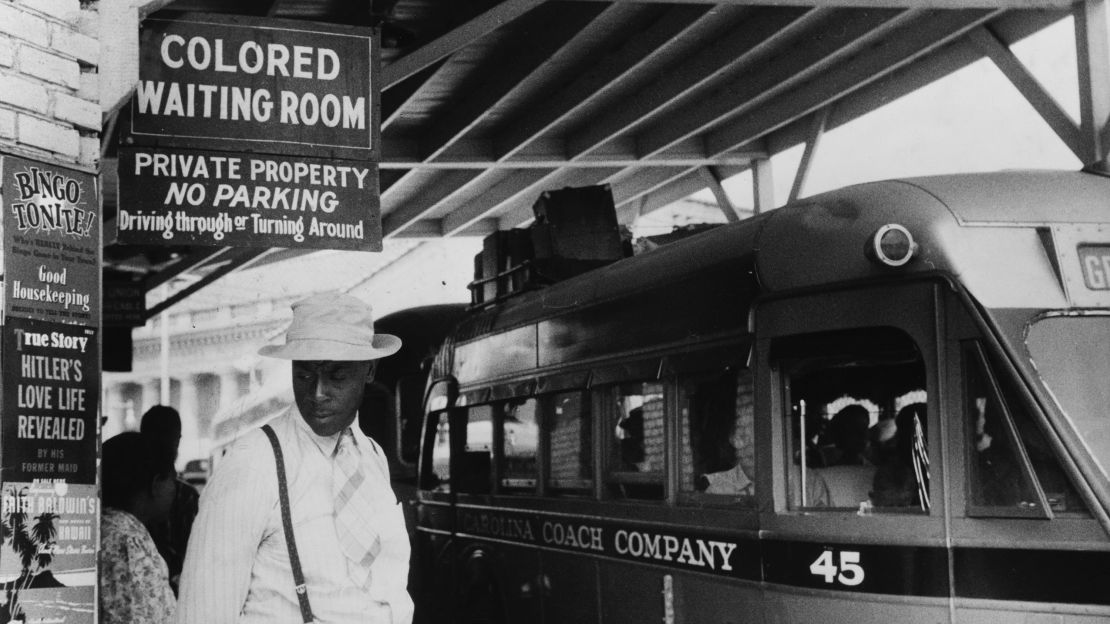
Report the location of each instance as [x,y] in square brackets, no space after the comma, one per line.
[816,131]
[713,181]
[763,185]
[1028,85]
[1093,54]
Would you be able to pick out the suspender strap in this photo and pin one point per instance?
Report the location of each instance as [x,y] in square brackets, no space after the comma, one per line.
[287,522]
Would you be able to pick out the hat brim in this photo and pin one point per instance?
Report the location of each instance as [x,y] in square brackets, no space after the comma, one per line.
[383,345]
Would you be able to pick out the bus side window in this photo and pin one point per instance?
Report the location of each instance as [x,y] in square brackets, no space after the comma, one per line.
[438,471]
[718,446]
[1010,460]
[567,418]
[856,423]
[520,433]
[636,453]
[473,468]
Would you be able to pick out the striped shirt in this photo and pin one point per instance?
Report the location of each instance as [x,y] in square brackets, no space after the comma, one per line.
[237,568]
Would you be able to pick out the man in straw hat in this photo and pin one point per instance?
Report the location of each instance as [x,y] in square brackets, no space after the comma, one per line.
[348,530]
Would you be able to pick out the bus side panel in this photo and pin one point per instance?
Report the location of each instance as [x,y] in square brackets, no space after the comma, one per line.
[570,588]
[513,576]
[631,593]
[435,577]
[699,600]
[785,606]
[434,558]
[1012,612]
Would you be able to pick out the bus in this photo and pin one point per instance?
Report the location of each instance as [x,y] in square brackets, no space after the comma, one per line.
[882,403]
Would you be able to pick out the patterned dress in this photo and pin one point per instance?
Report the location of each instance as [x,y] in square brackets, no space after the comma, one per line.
[134,581]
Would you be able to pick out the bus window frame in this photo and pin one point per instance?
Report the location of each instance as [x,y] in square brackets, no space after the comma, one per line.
[550,487]
[513,485]
[973,355]
[911,306]
[694,498]
[967,323]
[402,412]
[427,454]
[460,420]
[440,398]
[605,407]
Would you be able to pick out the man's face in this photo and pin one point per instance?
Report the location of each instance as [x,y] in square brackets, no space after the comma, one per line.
[328,393]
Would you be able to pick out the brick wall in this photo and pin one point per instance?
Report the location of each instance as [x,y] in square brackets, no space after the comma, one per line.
[49,96]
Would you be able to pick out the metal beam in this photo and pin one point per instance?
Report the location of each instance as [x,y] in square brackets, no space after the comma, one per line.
[816,131]
[240,260]
[515,68]
[1037,96]
[909,78]
[640,177]
[145,8]
[711,180]
[652,47]
[675,190]
[1093,56]
[517,190]
[195,259]
[900,49]
[724,55]
[644,181]
[804,60]
[449,43]
[480,154]
[873,4]
[658,187]
[395,99]
[432,195]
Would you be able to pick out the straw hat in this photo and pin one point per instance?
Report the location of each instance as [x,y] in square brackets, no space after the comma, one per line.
[332,326]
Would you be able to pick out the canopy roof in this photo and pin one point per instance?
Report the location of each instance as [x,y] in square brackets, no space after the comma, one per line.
[486,104]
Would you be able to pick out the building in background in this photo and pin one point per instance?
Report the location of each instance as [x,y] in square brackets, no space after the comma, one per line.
[214,335]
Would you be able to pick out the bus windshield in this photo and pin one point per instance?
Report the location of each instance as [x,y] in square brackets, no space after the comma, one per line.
[1071,355]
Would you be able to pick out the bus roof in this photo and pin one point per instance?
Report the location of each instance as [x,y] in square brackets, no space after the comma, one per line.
[1022,197]
[987,230]
[1010,237]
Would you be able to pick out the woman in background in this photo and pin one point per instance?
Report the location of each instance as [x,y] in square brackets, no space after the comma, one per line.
[138,487]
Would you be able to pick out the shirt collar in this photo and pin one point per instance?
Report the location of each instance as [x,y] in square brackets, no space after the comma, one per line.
[325,444]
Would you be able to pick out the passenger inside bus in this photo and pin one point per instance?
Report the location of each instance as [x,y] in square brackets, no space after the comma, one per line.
[630,438]
[902,477]
[718,447]
[636,457]
[850,476]
[844,389]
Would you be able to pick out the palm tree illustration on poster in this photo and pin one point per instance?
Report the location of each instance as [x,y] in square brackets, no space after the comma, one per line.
[47,561]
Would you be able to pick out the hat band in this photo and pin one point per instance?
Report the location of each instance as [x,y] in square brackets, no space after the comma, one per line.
[361,336]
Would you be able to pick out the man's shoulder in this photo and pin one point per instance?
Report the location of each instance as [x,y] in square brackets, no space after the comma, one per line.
[250,453]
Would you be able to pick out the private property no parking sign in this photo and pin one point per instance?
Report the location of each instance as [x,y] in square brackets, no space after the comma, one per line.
[252,132]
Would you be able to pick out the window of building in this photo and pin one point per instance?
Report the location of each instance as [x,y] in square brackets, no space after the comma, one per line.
[636,454]
[519,436]
[570,442]
[856,421]
[717,461]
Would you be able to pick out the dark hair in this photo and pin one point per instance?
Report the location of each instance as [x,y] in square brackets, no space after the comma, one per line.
[849,428]
[129,465]
[161,421]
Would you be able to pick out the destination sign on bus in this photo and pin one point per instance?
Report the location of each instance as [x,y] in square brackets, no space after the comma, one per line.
[1095,260]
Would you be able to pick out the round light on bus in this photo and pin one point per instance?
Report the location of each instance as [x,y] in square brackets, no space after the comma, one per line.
[892,245]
